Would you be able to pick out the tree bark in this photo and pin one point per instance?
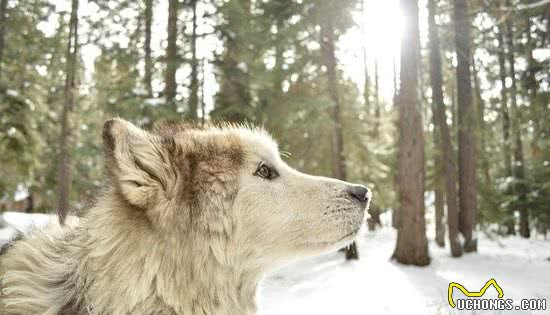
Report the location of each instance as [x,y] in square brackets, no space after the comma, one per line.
[203,104]
[329,59]
[376,99]
[395,87]
[64,176]
[3,8]
[171,56]
[504,102]
[466,128]
[504,111]
[445,142]
[412,245]
[439,188]
[233,101]
[518,165]
[365,64]
[148,77]
[194,86]
[395,100]
[439,216]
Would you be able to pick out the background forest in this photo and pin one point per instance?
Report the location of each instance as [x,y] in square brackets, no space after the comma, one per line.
[456,121]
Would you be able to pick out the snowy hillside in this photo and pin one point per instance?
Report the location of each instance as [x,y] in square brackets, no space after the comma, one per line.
[376,285]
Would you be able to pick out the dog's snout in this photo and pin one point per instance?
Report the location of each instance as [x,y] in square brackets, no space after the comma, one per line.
[359,192]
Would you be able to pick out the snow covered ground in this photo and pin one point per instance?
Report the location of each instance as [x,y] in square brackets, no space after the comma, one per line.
[376,285]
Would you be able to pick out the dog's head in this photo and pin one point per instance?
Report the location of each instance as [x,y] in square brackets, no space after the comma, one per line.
[230,185]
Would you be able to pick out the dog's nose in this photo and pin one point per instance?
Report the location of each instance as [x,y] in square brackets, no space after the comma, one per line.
[359,192]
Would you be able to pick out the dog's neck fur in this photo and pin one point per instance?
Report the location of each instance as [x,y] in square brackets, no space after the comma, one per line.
[184,278]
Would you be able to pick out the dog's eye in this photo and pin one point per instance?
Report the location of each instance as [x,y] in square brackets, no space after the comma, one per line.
[265,171]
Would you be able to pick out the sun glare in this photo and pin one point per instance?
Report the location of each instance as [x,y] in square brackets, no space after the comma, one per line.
[378,31]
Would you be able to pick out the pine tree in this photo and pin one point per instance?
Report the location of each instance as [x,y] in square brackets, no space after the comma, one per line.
[518,168]
[444,137]
[466,128]
[412,245]
[64,181]
[3,8]
[148,77]
[194,86]
[172,62]
[327,43]
[233,101]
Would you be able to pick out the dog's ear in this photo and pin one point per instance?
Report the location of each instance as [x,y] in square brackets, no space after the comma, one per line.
[139,163]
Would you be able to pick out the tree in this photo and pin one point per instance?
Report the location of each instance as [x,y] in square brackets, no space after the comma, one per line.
[366,87]
[518,166]
[3,8]
[377,104]
[64,179]
[194,86]
[172,61]
[444,136]
[466,128]
[504,101]
[148,77]
[412,245]
[505,117]
[327,43]
[233,101]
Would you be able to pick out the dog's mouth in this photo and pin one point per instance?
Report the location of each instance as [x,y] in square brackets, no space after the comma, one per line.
[346,238]
[349,235]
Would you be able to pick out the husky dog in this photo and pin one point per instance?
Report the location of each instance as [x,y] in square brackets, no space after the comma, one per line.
[190,221]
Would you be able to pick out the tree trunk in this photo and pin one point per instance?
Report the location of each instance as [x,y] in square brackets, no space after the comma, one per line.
[395,100]
[203,104]
[148,77]
[412,245]
[466,128]
[365,63]
[439,215]
[329,59]
[506,145]
[518,165]
[504,102]
[439,188]
[454,115]
[532,84]
[3,8]
[395,87]
[64,178]
[444,134]
[171,56]
[233,101]
[376,99]
[194,87]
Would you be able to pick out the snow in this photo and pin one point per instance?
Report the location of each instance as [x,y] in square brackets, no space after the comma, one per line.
[154,101]
[23,221]
[376,285]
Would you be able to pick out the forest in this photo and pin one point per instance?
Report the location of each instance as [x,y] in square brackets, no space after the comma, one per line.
[441,107]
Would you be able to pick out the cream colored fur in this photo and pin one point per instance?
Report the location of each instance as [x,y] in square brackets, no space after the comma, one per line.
[184,227]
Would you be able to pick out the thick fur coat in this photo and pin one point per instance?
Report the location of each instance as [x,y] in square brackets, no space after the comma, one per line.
[189,222]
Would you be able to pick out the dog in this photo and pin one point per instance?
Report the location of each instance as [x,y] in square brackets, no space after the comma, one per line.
[189,222]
